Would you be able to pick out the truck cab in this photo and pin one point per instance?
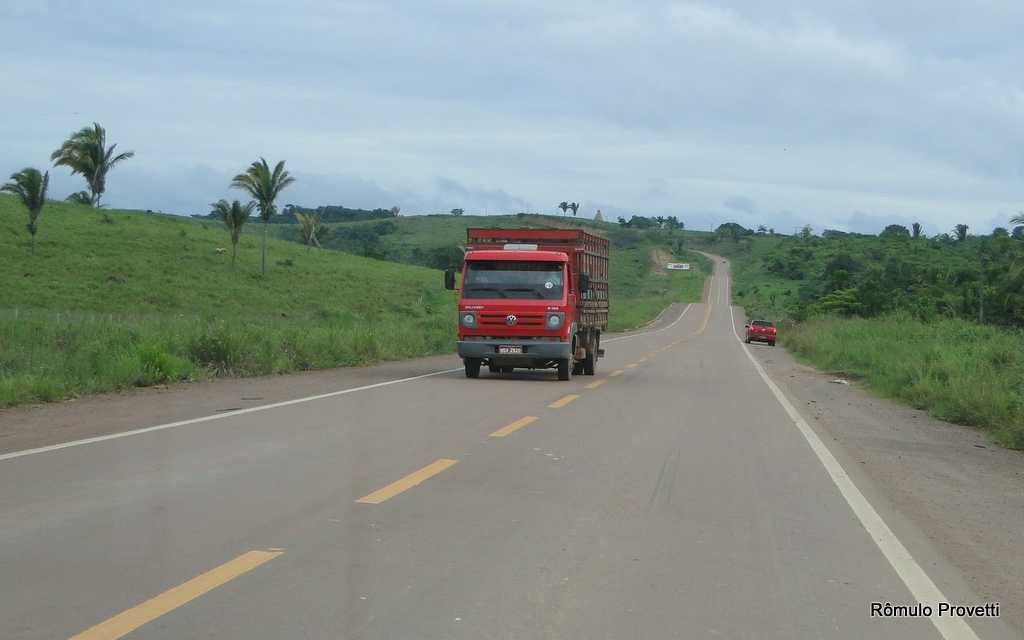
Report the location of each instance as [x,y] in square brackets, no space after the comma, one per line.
[529,305]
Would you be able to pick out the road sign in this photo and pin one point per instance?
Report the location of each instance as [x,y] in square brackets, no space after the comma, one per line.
[679,266]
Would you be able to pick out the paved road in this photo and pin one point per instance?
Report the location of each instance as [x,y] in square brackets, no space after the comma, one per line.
[671,496]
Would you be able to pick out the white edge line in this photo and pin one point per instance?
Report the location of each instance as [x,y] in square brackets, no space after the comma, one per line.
[674,322]
[228,414]
[914,577]
[652,331]
[216,416]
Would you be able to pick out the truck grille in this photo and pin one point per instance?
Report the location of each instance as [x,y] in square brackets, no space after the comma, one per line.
[501,320]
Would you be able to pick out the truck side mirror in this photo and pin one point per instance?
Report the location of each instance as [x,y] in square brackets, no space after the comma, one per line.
[584,283]
[449,279]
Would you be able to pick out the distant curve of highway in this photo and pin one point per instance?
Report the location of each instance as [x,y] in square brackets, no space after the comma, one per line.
[676,494]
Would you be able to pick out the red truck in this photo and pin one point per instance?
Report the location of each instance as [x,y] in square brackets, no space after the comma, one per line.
[532,298]
[761,331]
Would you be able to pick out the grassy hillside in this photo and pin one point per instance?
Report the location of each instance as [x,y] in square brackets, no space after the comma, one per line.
[877,309]
[112,299]
[638,289]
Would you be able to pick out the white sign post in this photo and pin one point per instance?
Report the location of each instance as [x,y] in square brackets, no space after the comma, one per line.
[678,266]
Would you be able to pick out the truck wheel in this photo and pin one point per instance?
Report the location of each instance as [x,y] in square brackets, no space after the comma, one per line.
[564,369]
[494,369]
[589,364]
[472,367]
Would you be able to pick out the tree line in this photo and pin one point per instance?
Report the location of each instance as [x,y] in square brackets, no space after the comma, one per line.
[952,274]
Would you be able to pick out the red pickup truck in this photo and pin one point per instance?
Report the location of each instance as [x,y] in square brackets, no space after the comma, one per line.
[532,299]
[761,331]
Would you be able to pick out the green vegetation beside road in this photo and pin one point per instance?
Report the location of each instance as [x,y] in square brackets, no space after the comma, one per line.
[113,299]
[957,370]
[899,313]
[638,290]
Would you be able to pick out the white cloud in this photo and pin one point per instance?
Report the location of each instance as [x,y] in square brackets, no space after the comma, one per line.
[809,110]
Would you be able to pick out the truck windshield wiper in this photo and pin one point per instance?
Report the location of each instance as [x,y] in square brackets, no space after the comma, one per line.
[526,289]
[498,291]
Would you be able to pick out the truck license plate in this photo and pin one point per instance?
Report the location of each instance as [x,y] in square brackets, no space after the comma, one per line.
[507,349]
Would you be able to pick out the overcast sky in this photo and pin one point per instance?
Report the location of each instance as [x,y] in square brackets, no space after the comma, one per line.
[841,114]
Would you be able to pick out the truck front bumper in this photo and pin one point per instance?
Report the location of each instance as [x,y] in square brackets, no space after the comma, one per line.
[533,350]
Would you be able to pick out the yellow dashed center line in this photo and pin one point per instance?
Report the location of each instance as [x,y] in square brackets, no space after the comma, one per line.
[617,372]
[408,482]
[704,325]
[513,426]
[127,621]
[596,383]
[561,402]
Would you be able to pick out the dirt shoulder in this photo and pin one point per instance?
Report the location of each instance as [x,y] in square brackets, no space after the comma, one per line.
[962,493]
[40,425]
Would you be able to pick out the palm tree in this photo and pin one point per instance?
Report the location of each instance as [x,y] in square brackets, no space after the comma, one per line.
[575,206]
[263,185]
[234,216]
[30,187]
[564,206]
[309,226]
[961,232]
[86,152]
[915,230]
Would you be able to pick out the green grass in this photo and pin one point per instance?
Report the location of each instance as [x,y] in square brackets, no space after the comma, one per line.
[957,370]
[638,292]
[113,299]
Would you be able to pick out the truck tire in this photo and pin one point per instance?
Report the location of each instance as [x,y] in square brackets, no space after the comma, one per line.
[589,363]
[472,367]
[564,369]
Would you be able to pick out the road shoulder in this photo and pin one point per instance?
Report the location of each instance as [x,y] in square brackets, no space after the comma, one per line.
[964,494]
[43,425]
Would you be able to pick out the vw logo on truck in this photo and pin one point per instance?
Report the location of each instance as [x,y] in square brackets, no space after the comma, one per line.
[511,319]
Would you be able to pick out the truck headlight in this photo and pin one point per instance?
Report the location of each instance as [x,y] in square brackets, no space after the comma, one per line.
[468,319]
[554,320]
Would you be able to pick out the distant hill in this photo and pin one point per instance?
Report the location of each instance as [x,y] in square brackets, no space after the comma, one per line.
[638,288]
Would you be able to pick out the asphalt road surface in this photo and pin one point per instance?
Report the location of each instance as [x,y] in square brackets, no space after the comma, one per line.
[676,494]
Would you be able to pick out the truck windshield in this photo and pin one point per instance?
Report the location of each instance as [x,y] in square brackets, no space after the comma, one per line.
[513,279]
